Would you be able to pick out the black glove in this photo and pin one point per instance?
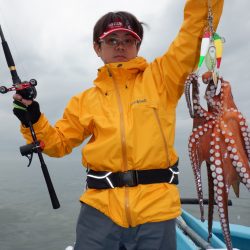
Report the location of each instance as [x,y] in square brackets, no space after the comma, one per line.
[27,113]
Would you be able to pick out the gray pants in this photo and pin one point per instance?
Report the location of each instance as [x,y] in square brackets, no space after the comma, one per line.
[95,231]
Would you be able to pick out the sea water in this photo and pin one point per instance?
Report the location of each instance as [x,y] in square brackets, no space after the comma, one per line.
[28,221]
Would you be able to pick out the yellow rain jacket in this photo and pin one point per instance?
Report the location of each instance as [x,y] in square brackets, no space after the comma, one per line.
[130,116]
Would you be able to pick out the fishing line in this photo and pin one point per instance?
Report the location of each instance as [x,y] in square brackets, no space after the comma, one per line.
[7,29]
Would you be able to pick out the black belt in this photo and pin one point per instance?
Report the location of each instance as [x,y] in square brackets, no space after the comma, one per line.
[131,178]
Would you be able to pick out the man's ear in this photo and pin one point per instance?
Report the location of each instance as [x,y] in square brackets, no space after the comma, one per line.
[138,46]
[97,48]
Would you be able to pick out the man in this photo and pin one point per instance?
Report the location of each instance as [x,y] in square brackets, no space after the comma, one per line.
[132,198]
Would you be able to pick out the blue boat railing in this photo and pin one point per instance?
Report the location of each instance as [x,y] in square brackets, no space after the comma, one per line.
[192,234]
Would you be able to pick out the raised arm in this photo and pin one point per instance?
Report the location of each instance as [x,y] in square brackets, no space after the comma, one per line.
[183,54]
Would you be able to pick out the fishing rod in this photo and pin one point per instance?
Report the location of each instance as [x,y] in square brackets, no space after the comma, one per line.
[28,91]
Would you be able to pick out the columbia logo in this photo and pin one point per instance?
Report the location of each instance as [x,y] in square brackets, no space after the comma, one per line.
[138,101]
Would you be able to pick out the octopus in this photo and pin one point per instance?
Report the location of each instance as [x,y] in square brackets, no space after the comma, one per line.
[221,138]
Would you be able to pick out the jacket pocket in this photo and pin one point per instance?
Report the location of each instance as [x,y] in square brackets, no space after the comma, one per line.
[148,145]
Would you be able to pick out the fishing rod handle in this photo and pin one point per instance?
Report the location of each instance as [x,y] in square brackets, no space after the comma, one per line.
[52,192]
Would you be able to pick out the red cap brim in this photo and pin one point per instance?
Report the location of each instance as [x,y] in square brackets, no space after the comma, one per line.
[134,34]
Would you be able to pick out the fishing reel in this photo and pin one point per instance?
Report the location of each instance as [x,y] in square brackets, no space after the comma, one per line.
[26,89]
[29,149]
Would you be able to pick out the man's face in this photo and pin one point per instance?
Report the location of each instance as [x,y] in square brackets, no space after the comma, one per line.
[119,46]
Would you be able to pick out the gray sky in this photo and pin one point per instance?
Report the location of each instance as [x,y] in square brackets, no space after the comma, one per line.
[51,41]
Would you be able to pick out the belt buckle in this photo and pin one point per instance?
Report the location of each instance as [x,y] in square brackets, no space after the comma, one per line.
[129,178]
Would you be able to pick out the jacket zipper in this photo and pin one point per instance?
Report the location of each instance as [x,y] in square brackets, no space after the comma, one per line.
[124,148]
[162,134]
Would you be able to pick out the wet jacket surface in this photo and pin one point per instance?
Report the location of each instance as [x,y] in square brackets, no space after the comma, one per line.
[130,116]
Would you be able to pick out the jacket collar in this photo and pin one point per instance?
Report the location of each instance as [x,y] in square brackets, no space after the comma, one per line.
[118,71]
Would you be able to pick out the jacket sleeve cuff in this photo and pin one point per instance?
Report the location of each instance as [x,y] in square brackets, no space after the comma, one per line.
[37,127]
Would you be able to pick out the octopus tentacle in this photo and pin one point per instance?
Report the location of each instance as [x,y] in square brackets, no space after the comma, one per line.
[196,165]
[221,188]
[239,160]
[211,201]
[245,132]
[196,158]
[187,95]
